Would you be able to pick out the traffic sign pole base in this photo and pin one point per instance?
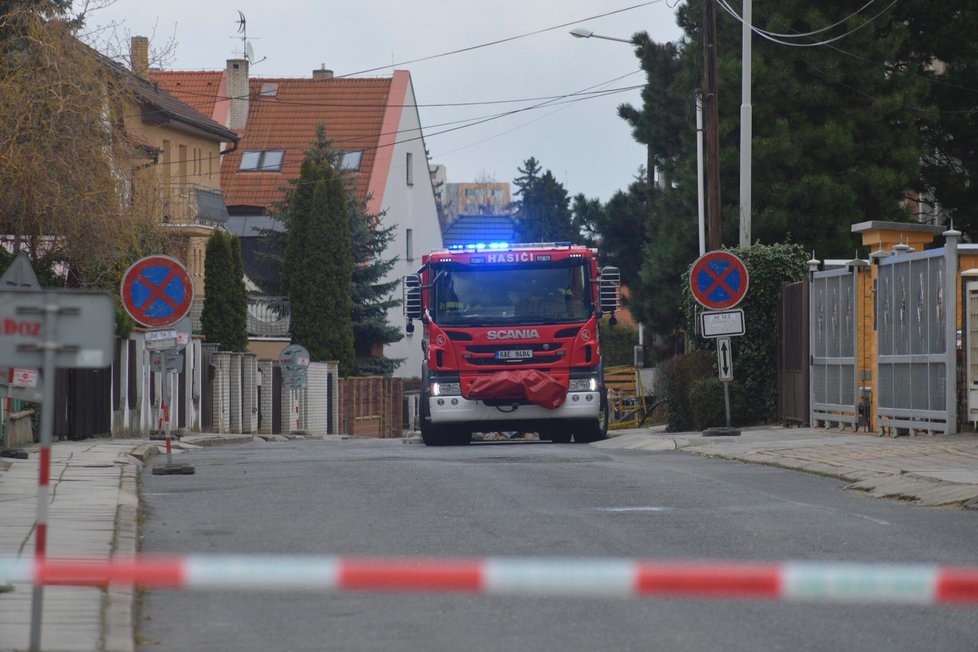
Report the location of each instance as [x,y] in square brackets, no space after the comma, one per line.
[173,469]
[721,432]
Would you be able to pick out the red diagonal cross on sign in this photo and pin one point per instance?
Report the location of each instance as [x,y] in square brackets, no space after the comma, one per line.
[718,280]
[157,291]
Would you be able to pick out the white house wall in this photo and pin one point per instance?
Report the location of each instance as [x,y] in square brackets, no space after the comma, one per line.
[409,207]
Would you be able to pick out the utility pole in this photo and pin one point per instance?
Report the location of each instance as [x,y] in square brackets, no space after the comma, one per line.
[712,127]
[746,127]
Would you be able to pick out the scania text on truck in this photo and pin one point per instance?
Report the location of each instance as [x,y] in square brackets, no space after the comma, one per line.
[511,341]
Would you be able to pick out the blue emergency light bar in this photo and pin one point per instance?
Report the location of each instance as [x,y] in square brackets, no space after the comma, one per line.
[499,246]
[480,246]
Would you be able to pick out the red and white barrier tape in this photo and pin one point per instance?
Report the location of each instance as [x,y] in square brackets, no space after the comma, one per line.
[795,581]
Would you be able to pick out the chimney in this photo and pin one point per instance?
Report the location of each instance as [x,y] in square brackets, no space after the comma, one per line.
[139,56]
[237,85]
[322,73]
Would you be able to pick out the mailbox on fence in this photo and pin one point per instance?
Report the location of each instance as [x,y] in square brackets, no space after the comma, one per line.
[294,360]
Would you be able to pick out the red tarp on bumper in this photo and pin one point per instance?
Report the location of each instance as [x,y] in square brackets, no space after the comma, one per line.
[534,386]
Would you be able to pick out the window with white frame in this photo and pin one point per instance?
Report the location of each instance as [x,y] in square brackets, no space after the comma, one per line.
[266,160]
[410,168]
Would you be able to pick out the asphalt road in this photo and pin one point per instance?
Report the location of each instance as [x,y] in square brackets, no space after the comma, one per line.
[369,497]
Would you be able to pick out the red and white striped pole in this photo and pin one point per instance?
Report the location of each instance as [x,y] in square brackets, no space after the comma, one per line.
[860,583]
[49,347]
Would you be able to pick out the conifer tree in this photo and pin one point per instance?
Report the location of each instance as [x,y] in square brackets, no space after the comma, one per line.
[371,298]
[225,315]
[318,265]
[542,211]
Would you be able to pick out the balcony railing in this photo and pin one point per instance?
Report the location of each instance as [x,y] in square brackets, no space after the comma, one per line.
[269,317]
[194,204]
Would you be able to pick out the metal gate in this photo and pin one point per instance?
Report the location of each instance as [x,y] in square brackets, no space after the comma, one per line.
[833,345]
[916,307]
[793,354]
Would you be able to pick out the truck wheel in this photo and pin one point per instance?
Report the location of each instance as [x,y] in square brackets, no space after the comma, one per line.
[433,435]
[444,435]
[597,429]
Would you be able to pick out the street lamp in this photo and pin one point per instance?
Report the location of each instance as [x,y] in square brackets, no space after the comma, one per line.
[583,32]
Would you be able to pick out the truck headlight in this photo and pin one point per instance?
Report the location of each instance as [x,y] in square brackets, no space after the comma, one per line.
[446,389]
[583,385]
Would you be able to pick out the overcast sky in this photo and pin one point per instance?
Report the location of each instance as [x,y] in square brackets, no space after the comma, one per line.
[584,143]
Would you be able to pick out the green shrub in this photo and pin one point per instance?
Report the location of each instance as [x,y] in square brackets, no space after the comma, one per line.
[617,344]
[755,353]
[707,395]
[677,378]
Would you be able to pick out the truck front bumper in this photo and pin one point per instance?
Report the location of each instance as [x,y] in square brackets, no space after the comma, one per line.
[456,409]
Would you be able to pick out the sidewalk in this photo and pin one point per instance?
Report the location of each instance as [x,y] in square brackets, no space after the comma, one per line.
[93,510]
[94,505]
[938,471]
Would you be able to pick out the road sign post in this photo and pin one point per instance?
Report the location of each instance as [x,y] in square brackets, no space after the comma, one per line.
[719,281]
[157,292]
[51,329]
[294,360]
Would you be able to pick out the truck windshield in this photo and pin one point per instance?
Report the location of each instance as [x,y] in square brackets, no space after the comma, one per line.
[542,294]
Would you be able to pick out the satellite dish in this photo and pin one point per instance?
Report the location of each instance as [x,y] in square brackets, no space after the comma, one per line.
[249,52]
[241,22]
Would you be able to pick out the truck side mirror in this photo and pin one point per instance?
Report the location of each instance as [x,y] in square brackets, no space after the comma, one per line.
[412,297]
[609,298]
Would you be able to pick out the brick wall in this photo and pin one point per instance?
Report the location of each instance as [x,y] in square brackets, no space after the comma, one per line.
[234,392]
[249,393]
[267,368]
[221,392]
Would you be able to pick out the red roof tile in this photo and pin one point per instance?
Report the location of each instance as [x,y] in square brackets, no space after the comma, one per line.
[198,89]
[351,109]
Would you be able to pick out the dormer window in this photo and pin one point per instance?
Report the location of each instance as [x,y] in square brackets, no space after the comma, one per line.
[351,160]
[267,160]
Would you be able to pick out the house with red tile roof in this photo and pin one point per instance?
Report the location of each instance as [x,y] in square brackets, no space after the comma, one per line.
[373,121]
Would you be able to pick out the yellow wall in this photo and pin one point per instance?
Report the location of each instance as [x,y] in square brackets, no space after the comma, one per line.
[267,350]
[186,162]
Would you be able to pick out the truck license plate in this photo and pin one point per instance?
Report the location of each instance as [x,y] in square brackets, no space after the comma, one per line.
[517,354]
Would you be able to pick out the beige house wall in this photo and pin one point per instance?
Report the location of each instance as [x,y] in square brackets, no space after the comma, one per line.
[267,349]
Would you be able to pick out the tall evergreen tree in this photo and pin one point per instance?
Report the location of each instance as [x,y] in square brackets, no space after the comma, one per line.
[622,226]
[542,211]
[588,216]
[371,297]
[318,265]
[225,315]
[835,139]
[941,50]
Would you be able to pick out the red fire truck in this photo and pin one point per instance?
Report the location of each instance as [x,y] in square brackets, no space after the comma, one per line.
[511,341]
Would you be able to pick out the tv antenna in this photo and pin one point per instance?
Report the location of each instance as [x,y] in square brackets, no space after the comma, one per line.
[247,51]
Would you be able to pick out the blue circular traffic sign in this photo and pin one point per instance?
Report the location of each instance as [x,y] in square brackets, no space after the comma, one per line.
[718,280]
[157,291]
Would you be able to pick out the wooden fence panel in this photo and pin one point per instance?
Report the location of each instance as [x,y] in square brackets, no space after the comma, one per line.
[371,406]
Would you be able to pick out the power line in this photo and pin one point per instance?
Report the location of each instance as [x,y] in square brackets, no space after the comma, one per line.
[930,79]
[503,40]
[568,99]
[770,36]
